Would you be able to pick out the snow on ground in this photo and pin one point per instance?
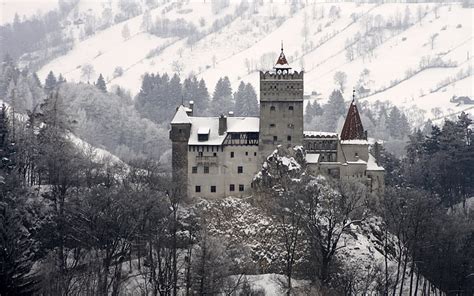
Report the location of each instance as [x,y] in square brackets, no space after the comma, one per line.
[240,45]
[98,154]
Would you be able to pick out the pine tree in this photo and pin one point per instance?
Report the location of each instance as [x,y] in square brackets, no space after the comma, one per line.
[222,101]
[61,79]
[246,100]
[239,98]
[252,101]
[334,109]
[100,84]
[202,106]
[50,82]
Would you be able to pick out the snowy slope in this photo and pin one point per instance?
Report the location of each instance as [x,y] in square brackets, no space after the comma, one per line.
[238,47]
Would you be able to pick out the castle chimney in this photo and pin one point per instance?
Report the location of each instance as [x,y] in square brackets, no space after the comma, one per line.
[222,124]
[191,106]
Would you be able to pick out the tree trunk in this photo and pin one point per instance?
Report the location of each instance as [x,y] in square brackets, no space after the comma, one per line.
[404,271]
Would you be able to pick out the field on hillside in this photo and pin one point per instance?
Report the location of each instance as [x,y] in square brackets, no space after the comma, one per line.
[417,56]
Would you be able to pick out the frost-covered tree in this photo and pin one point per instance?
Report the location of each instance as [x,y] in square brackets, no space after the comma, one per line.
[125,32]
[222,101]
[100,84]
[50,82]
[245,100]
[340,79]
[87,71]
[333,110]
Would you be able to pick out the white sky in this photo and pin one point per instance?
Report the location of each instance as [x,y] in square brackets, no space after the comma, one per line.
[8,8]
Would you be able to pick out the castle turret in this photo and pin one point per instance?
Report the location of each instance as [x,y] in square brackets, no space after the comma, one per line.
[281,108]
[179,136]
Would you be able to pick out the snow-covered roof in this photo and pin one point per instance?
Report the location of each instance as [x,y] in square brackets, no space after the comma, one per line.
[181,116]
[355,142]
[359,161]
[312,157]
[315,134]
[372,164]
[203,130]
[210,126]
[243,124]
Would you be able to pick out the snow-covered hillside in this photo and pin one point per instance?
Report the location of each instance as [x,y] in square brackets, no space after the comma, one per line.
[416,54]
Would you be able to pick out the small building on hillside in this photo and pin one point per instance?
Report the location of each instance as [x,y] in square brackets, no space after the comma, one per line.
[215,157]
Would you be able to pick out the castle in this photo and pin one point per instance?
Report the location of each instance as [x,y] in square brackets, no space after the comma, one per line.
[215,157]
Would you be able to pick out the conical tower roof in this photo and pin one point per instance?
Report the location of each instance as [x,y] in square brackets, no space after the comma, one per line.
[353,129]
[282,63]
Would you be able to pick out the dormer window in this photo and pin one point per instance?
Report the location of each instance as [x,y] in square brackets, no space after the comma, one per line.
[203,134]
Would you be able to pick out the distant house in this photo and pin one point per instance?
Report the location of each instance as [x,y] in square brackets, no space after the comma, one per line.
[464,100]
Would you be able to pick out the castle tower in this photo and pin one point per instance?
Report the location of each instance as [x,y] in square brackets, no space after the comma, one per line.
[179,136]
[281,108]
[353,129]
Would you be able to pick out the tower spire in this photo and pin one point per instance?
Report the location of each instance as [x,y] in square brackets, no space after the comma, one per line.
[282,64]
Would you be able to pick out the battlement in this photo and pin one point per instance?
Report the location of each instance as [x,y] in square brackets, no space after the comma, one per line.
[295,75]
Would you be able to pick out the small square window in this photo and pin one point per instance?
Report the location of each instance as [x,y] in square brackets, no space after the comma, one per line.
[215,154]
[206,170]
[290,108]
[200,153]
[288,138]
[195,170]
[241,187]
[275,138]
[246,153]
[232,155]
[180,131]
[272,108]
[232,187]
[213,188]
[197,189]
[272,125]
[240,169]
[255,154]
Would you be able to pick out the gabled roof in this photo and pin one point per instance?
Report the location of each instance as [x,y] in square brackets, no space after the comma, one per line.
[353,129]
[181,116]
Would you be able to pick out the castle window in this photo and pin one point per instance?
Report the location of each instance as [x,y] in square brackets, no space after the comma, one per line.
[290,108]
[180,131]
[255,154]
[272,108]
[291,125]
[288,138]
[213,188]
[356,154]
[231,187]
[232,154]
[197,188]
[272,125]
[275,138]
[206,170]
[195,169]
[246,153]
[241,187]
[240,169]
[215,154]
